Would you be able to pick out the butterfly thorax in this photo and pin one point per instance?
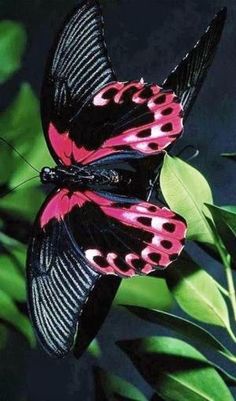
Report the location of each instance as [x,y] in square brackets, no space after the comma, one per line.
[80,176]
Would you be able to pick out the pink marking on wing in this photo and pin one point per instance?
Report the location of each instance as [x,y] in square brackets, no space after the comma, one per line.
[60,205]
[130,258]
[130,137]
[147,269]
[156,102]
[155,223]
[140,100]
[118,97]
[98,199]
[111,259]
[90,255]
[164,259]
[98,154]
[61,143]
[66,149]
[99,100]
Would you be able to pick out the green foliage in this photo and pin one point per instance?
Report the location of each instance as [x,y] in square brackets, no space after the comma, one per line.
[94,349]
[110,387]
[185,191]
[176,370]
[186,280]
[184,327]
[144,291]
[12,45]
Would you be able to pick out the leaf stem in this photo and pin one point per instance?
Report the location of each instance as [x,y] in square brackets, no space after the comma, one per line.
[222,289]
[229,276]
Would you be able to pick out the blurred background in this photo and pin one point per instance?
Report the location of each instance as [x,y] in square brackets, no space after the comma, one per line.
[145,39]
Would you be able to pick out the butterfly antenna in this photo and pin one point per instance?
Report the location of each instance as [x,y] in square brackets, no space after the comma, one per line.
[17,186]
[19,154]
[193,156]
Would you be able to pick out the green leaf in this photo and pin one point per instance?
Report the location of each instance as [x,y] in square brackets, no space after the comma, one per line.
[12,46]
[224,213]
[6,172]
[176,370]
[149,292]
[10,313]
[20,125]
[110,387]
[183,327]
[11,281]
[15,249]
[196,292]
[20,202]
[94,349]
[230,208]
[185,191]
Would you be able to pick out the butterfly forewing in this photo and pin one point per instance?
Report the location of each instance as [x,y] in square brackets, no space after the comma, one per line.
[77,67]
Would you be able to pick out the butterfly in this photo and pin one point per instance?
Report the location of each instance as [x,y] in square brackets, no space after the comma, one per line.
[96,226]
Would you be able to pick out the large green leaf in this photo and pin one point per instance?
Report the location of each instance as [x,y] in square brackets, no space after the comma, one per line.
[110,387]
[20,125]
[24,202]
[186,191]
[10,314]
[176,370]
[196,292]
[11,281]
[183,327]
[150,292]
[12,46]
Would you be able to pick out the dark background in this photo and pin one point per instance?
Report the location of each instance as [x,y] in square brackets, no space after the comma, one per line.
[145,38]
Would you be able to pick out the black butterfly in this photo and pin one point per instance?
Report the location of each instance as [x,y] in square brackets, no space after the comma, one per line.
[97,222]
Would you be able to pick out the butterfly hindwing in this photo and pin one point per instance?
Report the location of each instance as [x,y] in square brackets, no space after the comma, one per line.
[115,234]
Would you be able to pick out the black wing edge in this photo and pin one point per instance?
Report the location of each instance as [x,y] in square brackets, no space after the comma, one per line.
[78,65]
[187,78]
[95,312]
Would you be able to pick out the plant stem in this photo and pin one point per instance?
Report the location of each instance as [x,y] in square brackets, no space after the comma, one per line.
[230,332]
[229,276]
[222,289]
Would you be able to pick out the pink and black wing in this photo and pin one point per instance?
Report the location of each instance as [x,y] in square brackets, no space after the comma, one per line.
[68,300]
[77,238]
[187,78]
[78,66]
[87,114]
[117,235]
[122,120]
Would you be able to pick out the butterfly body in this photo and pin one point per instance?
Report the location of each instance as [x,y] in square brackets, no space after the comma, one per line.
[77,177]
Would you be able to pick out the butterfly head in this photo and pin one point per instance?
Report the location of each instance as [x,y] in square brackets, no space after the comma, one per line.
[48,174]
